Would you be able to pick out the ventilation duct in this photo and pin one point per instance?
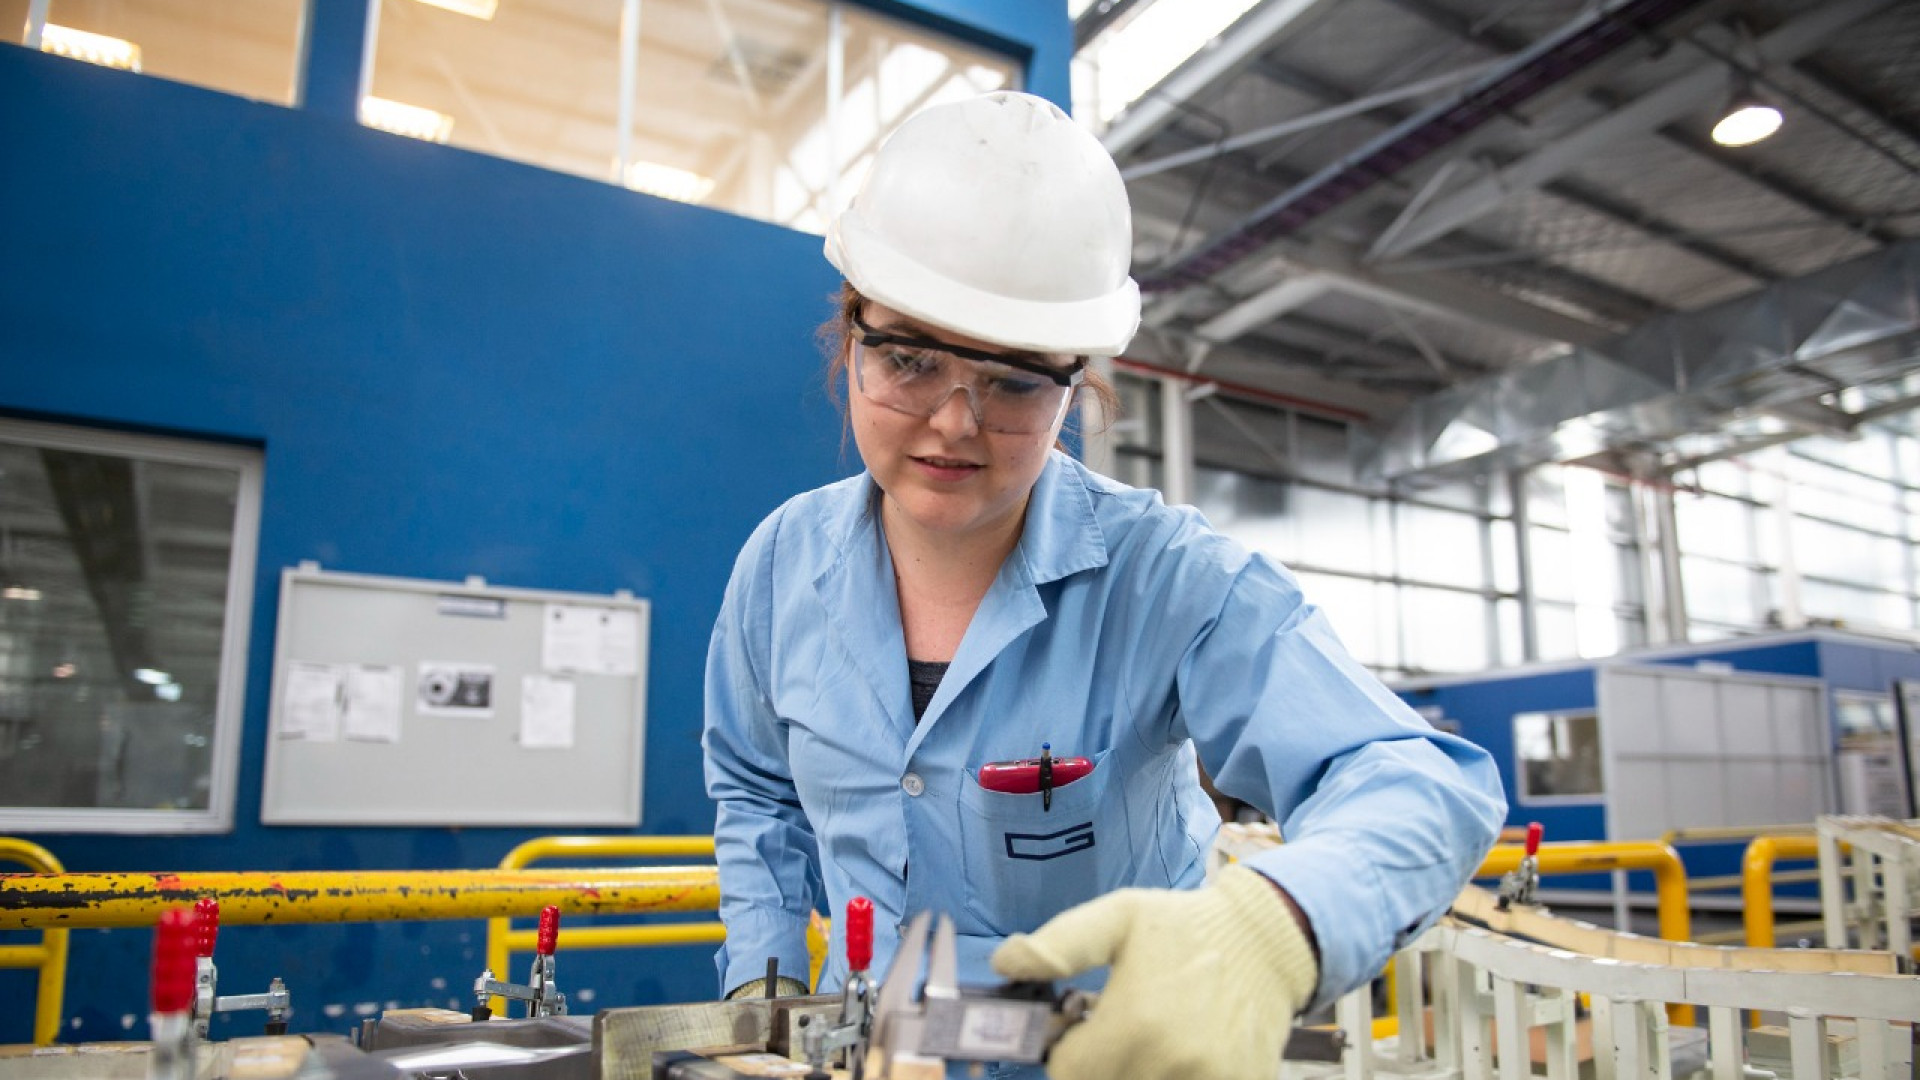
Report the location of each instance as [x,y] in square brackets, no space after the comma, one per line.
[1661,386]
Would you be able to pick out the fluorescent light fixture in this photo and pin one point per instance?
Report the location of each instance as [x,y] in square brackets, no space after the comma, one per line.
[19,592]
[1747,121]
[99,49]
[167,691]
[152,676]
[668,182]
[400,118]
[477,9]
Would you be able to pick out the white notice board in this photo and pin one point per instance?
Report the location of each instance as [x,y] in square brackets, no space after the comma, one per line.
[406,702]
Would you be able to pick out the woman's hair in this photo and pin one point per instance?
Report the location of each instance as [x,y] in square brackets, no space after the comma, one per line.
[834,335]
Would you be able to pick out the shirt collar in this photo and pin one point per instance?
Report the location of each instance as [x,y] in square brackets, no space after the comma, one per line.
[1061,536]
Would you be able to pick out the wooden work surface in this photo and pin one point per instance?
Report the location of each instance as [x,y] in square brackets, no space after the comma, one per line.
[1481,907]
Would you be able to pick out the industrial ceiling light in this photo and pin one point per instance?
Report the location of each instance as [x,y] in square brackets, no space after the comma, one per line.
[400,118]
[99,49]
[1748,120]
[477,9]
[668,182]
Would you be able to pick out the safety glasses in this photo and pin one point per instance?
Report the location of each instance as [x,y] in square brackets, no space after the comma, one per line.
[1010,393]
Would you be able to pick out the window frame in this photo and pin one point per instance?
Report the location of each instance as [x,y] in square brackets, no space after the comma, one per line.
[1521,794]
[229,712]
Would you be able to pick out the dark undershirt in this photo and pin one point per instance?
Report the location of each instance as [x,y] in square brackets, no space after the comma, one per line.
[925,675]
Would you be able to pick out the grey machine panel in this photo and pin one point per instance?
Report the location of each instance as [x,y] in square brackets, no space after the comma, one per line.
[1690,748]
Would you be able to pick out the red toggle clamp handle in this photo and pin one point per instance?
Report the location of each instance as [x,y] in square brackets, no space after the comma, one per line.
[1533,837]
[859,933]
[174,964]
[206,914]
[549,930]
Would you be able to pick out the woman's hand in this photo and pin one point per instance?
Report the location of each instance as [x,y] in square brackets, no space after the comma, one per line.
[1205,983]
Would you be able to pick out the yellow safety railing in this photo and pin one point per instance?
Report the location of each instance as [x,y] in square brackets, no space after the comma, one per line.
[50,956]
[1757,880]
[503,940]
[1579,857]
[105,901]
[1725,834]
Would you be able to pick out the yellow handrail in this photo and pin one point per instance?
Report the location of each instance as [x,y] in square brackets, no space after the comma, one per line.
[1580,857]
[503,940]
[87,901]
[1756,881]
[50,956]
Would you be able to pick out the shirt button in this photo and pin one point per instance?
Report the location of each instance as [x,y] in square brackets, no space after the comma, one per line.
[913,784]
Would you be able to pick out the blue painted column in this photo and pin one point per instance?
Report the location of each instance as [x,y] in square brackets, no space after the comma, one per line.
[336,61]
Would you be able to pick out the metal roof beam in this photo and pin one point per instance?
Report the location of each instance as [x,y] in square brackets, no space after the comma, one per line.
[1658,227]
[1451,299]
[1839,85]
[1787,43]
[1758,174]
[1293,125]
[1256,32]
[1265,306]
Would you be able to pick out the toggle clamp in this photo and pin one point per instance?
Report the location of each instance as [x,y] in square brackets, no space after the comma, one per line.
[541,993]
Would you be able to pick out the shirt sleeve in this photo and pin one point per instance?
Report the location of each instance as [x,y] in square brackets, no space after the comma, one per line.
[769,863]
[1384,817]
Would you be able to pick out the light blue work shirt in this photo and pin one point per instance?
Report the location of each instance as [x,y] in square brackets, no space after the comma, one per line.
[1120,630]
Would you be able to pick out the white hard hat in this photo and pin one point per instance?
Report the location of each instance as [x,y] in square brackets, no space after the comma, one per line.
[1000,218]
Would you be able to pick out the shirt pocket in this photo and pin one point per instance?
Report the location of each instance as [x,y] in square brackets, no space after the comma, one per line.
[1025,864]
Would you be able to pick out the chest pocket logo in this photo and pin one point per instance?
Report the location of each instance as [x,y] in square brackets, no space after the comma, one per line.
[1039,847]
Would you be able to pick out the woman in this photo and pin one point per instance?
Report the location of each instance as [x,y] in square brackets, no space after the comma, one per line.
[976,596]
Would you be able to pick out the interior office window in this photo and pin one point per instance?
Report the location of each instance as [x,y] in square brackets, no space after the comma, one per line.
[1557,757]
[126,573]
[728,104]
[535,82]
[250,49]
[891,71]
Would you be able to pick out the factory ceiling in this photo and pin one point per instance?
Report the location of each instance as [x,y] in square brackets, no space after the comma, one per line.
[1401,206]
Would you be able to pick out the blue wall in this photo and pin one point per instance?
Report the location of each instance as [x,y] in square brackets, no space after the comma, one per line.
[454,365]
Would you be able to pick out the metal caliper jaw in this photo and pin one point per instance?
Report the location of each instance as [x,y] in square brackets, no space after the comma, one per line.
[1013,1022]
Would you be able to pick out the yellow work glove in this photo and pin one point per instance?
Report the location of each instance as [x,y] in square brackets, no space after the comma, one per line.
[1205,983]
[785,987]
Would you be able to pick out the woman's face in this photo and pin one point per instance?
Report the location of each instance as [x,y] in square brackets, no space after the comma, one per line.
[942,472]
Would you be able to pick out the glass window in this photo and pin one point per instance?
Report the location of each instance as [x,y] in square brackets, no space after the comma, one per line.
[1441,547]
[1557,757]
[1507,617]
[1352,606]
[1506,555]
[534,83]
[1546,491]
[1445,631]
[249,49]
[1554,569]
[1335,529]
[729,106]
[1711,525]
[126,570]
[1719,592]
[1858,607]
[1833,551]
[1556,629]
